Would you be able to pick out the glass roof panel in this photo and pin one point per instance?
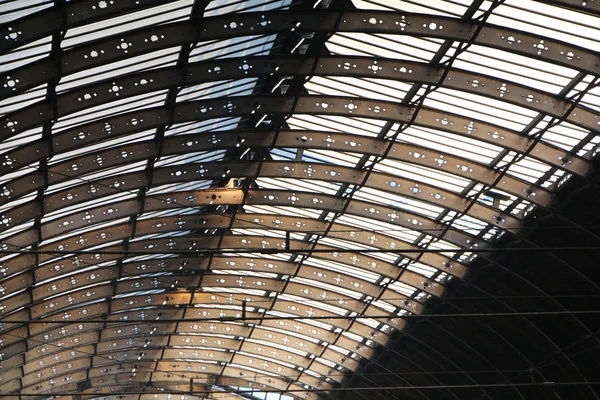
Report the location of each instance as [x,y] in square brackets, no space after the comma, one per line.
[255,193]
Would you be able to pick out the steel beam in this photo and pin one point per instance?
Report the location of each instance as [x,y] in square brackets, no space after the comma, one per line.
[274,22]
[344,66]
[125,154]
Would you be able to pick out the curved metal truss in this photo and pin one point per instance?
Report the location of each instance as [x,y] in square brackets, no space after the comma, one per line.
[225,199]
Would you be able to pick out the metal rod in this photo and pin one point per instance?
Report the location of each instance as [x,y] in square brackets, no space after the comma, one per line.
[242,319]
[304,251]
[339,389]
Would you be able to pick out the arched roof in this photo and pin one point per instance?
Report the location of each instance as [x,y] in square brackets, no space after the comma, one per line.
[230,198]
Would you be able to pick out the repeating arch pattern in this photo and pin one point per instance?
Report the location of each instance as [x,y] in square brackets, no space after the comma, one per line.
[205,196]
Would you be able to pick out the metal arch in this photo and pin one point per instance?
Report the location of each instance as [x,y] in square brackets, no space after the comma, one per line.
[242,106]
[133,363]
[23,213]
[107,275]
[48,310]
[59,349]
[204,197]
[166,368]
[124,154]
[86,11]
[261,66]
[326,105]
[432,360]
[309,200]
[344,66]
[76,14]
[302,170]
[55,268]
[107,381]
[36,312]
[308,171]
[461,80]
[273,22]
[189,280]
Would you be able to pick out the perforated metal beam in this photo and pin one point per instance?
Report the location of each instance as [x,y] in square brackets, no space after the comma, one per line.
[236,68]
[274,22]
